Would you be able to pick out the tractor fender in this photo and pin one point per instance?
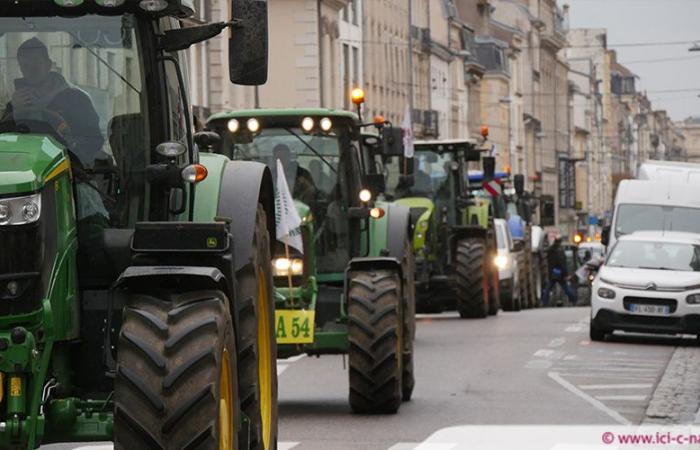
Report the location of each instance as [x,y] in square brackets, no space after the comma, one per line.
[194,277]
[245,184]
[389,235]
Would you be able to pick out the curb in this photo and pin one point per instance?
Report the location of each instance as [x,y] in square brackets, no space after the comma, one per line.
[676,399]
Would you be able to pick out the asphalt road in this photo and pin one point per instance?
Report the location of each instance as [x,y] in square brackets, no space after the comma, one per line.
[533,367]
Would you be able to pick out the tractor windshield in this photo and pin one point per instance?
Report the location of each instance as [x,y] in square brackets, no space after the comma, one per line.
[319,174]
[79,80]
[431,176]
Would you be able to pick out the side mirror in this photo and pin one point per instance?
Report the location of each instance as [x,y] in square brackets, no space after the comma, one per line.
[392,142]
[519,184]
[375,182]
[605,236]
[207,140]
[248,44]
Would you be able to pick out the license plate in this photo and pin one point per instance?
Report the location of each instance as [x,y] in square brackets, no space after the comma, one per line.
[650,309]
[294,326]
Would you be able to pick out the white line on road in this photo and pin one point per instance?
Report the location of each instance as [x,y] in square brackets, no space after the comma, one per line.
[283,364]
[632,398]
[558,342]
[607,376]
[424,446]
[286,445]
[543,353]
[593,387]
[596,403]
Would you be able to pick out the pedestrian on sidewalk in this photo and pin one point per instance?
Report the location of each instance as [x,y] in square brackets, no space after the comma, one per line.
[558,273]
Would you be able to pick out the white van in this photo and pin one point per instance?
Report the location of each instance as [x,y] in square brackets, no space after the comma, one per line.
[642,205]
[670,171]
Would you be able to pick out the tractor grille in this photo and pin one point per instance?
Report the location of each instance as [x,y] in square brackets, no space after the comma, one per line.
[21,259]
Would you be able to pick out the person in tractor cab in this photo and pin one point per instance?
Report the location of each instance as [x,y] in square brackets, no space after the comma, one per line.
[44,96]
[558,273]
[300,181]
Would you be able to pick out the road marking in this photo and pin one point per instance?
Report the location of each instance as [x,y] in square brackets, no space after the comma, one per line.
[606,376]
[543,353]
[283,364]
[592,387]
[539,364]
[422,446]
[631,398]
[574,329]
[286,445]
[596,403]
[558,342]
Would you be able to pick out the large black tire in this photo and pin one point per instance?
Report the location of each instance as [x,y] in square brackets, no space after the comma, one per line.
[408,379]
[177,354]
[508,298]
[375,333]
[472,279]
[596,334]
[257,366]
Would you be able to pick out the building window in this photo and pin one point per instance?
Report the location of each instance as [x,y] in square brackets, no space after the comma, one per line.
[355,66]
[346,76]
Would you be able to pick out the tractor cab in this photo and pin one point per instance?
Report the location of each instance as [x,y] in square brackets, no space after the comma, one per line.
[319,154]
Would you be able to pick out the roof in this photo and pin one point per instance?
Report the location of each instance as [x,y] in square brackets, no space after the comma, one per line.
[284,112]
[666,236]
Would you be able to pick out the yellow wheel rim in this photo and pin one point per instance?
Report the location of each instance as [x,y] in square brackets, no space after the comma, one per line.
[264,364]
[226,415]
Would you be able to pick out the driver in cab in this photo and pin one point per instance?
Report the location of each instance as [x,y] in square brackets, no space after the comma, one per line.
[44,95]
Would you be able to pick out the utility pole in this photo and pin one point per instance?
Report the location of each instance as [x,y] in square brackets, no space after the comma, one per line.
[410,58]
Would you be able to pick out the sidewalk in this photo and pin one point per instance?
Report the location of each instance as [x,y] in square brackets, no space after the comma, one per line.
[676,399]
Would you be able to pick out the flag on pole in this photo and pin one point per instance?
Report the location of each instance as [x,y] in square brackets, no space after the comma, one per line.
[286,215]
[407,132]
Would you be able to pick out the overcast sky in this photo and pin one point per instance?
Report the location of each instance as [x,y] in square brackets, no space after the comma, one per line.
[647,21]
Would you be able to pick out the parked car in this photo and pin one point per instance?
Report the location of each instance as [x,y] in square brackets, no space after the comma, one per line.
[650,282]
[507,263]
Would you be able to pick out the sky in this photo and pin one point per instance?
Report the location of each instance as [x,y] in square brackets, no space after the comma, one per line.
[651,21]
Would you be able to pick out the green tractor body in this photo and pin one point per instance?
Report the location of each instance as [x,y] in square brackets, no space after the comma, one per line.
[127,311]
[354,259]
[452,221]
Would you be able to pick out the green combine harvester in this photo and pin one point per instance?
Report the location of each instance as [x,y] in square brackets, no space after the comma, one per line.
[348,288]
[128,310]
[453,235]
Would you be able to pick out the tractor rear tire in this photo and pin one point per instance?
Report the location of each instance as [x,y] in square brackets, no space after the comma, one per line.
[258,354]
[375,334]
[472,279]
[408,379]
[176,381]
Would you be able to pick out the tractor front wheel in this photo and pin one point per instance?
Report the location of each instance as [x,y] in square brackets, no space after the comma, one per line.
[176,384]
[472,279]
[375,334]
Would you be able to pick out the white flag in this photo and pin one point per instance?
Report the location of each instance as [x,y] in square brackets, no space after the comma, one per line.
[407,132]
[286,215]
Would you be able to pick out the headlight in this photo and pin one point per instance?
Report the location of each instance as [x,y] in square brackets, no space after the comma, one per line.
[693,299]
[606,293]
[365,195]
[20,210]
[501,261]
[283,267]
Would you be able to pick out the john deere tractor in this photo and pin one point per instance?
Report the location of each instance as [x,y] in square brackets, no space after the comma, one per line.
[453,233]
[349,288]
[128,310]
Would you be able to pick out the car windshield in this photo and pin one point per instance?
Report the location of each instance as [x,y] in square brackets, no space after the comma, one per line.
[655,255]
[501,236]
[631,218]
[318,174]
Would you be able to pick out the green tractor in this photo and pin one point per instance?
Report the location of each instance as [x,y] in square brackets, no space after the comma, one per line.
[453,233]
[127,311]
[348,287]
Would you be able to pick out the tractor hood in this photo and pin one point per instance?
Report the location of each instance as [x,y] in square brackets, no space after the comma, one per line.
[27,161]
